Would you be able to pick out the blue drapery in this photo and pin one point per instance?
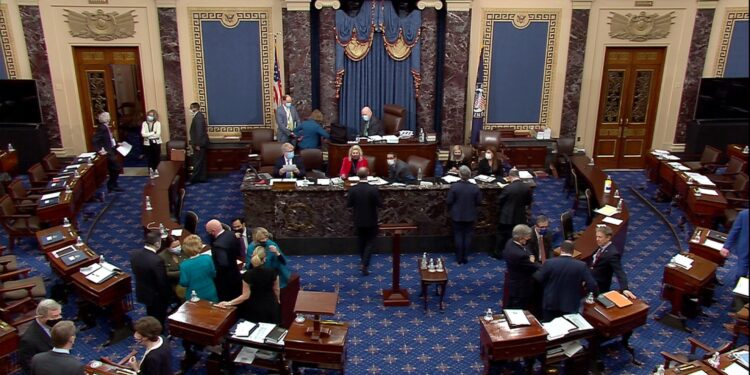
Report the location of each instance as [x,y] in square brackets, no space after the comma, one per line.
[385,72]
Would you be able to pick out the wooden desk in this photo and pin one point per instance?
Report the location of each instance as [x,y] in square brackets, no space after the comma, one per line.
[499,342]
[202,323]
[579,362]
[278,365]
[613,322]
[69,238]
[158,189]
[328,352]
[651,166]
[9,340]
[528,152]
[427,278]
[224,155]
[9,162]
[704,210]
[316,303]
[100,368]
[691,367]
[697,246]
[679,283]
[726,359]
[111,293]
[66,272]
[404,149]
[736,151]
[55,213]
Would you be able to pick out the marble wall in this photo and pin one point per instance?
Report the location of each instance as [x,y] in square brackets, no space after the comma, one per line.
[297,60]
[576,51]
[428,56]
[696,60]
[329,104]
[458,32]
[176,103]
[37,50]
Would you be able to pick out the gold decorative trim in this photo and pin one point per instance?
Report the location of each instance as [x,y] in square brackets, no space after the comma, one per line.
[101,26]
[732,15]
[640,27]
[521,21]
[549,16]
[320,4]
[422,4]
[6,44]
[261,15]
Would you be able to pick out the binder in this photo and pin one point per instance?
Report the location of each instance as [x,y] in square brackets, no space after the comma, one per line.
[73,257]
[52,238]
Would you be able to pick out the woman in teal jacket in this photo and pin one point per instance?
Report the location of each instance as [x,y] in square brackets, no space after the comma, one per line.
[275,259]
[197,273]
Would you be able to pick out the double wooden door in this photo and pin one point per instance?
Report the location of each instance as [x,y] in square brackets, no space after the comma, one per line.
[628,106]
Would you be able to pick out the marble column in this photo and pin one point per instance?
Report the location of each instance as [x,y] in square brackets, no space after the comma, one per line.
[37,49]
[428,56]
[297,60]
[572,94]
[696,60]
[458,30]
[170,49]
[329,104]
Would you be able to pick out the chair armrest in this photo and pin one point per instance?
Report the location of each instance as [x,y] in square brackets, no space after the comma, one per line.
[697,343]
[15,304]
[13,274]
[17,216]
[28,288]
[39,189]
[28,205]
[669,357]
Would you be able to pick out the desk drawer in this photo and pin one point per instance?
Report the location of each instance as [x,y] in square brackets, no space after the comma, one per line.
[313,356]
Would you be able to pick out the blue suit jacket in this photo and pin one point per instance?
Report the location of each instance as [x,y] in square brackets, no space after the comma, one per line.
[561,278]
[296,161]
[310,132]
[463,200]
[737,243]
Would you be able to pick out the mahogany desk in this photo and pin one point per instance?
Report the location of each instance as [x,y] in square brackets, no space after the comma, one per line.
[279,364]
[499,342]
[316,303]
[692,367]
[403,149]
[736,151]
[727,359]
[69,238]
[680,283]
[579,362]
[55,213]
[651,165]
[613,322]
[66,272]
[205,324]
[329,352]
[158,189]
[704,210]
[697,246]
[101,368]
[427,278]
[9,162]
[112,293]
[9,340]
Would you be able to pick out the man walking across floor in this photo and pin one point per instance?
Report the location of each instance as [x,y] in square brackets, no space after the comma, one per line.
[364,199]
[514,202]
[151,282]
[463,200]
[199,142]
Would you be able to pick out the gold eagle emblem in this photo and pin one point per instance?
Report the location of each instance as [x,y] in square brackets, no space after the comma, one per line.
[640,27]
[101,26]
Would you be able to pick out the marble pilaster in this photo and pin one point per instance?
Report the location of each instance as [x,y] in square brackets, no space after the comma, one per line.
[37,50]
[696,60]
[576,51]
[458,33]
[297,59]
[176,103]
[329,104]
[428,56]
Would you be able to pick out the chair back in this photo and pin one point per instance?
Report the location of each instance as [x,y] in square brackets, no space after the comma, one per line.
[565,146]
[17,190]
[191,222]
[7,207]
[740,184]
[710,155]
[269,153]
[180,205]
[566,223]
[416,162]
[489,138]
[260,136]
[50,163]
[734,166]
[37,176]
[590,206]
[312,158]
[394,118]
[576,187]
[371,163]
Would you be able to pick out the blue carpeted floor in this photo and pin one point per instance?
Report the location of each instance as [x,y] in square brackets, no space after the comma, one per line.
[407,340]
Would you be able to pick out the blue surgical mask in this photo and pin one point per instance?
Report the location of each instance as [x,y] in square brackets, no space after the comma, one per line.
[288,105]
[365,117]
[290,155]
[175,250]
[542,231]
[150,118]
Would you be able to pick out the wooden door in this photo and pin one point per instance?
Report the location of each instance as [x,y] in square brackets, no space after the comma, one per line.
[109,79]
[627,106]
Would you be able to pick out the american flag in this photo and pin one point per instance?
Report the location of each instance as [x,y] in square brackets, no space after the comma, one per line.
[278,90]
[479,101]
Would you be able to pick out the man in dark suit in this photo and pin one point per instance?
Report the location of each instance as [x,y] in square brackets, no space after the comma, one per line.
[561,277]
[37,338]
[289,165]
[398,170]
[365,201]
[104,142]
[514,201]
[199,141]
[370,125]
[521,267]
[463,200]
[59,361]
[607,261]
[243,235]
[540,243]
[151,283]
[225,250]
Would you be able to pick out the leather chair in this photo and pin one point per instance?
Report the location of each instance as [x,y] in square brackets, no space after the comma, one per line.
[191,222]
[589,206]
[24,201]
[566,225]
[179,205]
[416,162]
[489,138]
[579,194]
[737,195]
[18,296]
[37,176]
[258,137]
[682,358]
[269,153]
[50,163]
[312,158]
[371,164]
[565,148]
[709,160]
[15,223]
[734,167]
[394,119]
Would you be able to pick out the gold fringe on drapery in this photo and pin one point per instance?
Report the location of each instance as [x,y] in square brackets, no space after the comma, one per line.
[356,49]
[400,49]
[417,82]
[339,82]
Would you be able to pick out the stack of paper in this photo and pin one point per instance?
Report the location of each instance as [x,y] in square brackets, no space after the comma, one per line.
[246,355]
[707,191]
[607,210]
[87,155]
[516,317]
[243,329]
[525,174]
[579,321]
[683,261]
[484,178]
[671,157]
[713,244]
[557,328]
[677,166]
[742,288]
[324,181]
[571,348]
[50,196]
[451,178]
[700,179]
[390,139]
[260,333]
[611,220]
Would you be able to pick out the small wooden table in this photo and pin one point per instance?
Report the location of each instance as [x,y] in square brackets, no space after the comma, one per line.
[327,352]
[396,296]
[427,278]
[69,238]
[615,321]
[697,245]
[279,364]
[316,303]
[498,341]
[112,293]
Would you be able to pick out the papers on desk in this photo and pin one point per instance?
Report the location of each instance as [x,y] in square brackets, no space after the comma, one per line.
[743,289]
[259,334]
[374,138]
[707,191]
[425,183]
[741,357]
[473,181]
[713,244]
[377,181]
[516,317]
[670,157]
[525,174]
[124,148]
[618,298]
[87,155]
[337,181]
[243,329]
[96,273]
[611,220]
[390,139]
[607,210]
[557,328]
[571,348]
[177,232]
[700,179]
[657,151]
[50,196]
[485,178]
[397,184]
[735,369]
[579,321]
[683,261]
[323,181]
[449,178]
[246,355]
[677,166]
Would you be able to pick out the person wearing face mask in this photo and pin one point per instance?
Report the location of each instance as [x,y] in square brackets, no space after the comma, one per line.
[157,360]
[456,160]
[289,165]
[540,243]
[309,132]
[463,200]
[369,125]
[199,142]
[261,290]
[173,257]
[37,338]
[104,142]
[151,133]
[514,202]
[287,119]
[274,257]
[243,236]
[521,265]
[489,164]
[58,361]
[398,170]
[352,163]
[151,282]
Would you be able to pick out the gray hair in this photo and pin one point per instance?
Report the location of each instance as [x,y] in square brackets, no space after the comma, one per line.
[104,117]
[605,230]
[464,172]
[513,173]
[521,231]
[46,306]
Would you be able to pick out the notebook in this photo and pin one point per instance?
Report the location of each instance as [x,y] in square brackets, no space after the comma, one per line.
[717,236]
[276,335]
[49,202]
[73,257]
[618,299]
[52,238]
[100,275]
[605,301]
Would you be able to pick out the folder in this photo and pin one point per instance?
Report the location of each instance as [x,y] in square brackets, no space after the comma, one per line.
[618,299]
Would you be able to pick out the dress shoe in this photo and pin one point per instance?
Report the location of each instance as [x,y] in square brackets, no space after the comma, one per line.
[365,271]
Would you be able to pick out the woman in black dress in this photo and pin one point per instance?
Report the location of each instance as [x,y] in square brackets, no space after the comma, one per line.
[260,288]
[456,160]
[158,357]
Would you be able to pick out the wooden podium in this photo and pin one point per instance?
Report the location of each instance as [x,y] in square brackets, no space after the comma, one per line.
[316,303]
[395,296]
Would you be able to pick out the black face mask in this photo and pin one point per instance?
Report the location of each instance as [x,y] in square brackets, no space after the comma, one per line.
[51,322]
[238,230]
[355,158]
[264,243]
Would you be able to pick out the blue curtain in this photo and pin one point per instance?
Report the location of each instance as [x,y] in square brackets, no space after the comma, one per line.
[377,78]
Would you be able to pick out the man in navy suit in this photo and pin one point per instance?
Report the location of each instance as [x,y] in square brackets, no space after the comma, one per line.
[463,200]
[513,201]
[607,261]
[225,250]
[364,199]
[105,144]
[199,141]
[737,241]
[37,337]
[58,361]
[152,286]
[289,165]
[521,267]
[561,278]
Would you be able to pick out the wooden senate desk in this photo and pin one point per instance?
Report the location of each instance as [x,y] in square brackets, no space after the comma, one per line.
[226,155]
[82,189]
[69,237]
[9,162]
[580,362]
[278,363]
[113,293]
[529,152]
[100,368]
[66,271]
[437,278]
[679,284]
[725,360]
[499,342]
[9,340]
[328,352]
[594,178]
[615,321]
[404,149]
[159,191]
[698,244]
[704,209]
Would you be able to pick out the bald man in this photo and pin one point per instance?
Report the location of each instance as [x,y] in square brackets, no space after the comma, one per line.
[370,125]
[225,250]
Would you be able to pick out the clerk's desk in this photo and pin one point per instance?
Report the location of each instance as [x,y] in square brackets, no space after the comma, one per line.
[403,149]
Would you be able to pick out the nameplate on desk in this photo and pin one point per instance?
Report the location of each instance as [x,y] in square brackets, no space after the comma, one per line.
[283,185]
[52,238]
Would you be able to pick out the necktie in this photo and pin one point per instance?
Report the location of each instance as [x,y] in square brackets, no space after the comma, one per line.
[243,246]
[542,251]
[289,121]
[367,125]
[597,255]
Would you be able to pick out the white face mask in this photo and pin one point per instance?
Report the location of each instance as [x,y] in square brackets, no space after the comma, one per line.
[365,117]
[391,161]
[488,156]
[150,118]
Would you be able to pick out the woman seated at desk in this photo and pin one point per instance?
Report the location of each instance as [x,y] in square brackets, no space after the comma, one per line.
[158,357]
[197,273]
[494,163]
[455,160]
[352,163]
[260,288]
[275,259]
